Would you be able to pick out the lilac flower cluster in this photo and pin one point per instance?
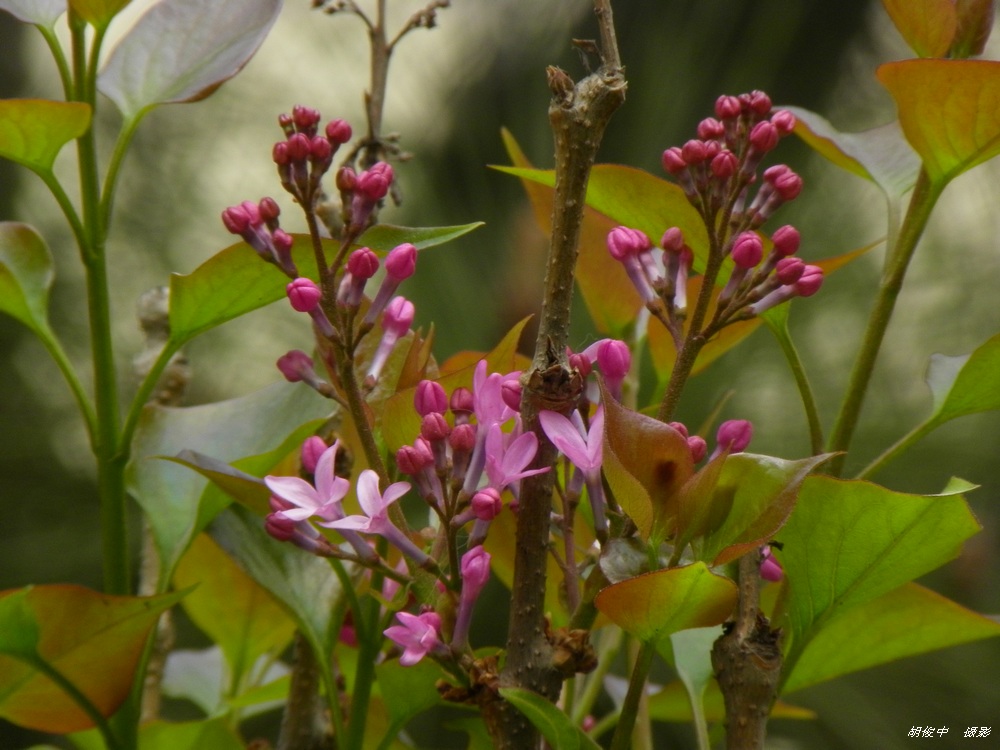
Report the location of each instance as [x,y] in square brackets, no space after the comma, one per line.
[717,171]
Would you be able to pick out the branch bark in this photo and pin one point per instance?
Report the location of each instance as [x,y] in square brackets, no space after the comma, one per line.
[578,114]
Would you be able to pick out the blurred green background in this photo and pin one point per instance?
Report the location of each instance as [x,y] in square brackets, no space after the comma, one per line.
[451,90]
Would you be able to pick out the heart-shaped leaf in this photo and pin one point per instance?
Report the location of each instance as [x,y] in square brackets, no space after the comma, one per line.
[33,131]
[93,641]
[183,51]
[904,622]
[230,607]
[39,12]
[654,605]
[880,154]
[172,495]
[928,26]
[949,111]
[851,541]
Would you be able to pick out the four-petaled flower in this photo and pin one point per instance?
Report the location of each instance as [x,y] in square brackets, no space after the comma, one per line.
[585,453]
[323,500]
[506,465]
[417,635]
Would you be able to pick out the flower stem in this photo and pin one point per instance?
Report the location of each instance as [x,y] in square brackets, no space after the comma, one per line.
[622,739]
[925,196]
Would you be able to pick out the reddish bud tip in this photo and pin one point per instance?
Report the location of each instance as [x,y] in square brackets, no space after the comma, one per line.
[235,219]
[295,365]
[759,103]
[412,460]
[693,152]
[673,162]
[623,242]
[789,270]
[786,240]
[486,504]
[698,447]
[728,107]
[748,250]
[724,165]
[788,186]
[680,427]
[398,316]
[783,121]
[268,209]
[282,240]
[312,448]
[614,359]
[304,118]
[734,434]
[320,149]
[346,179]
[764,136]
[303,294]
[809,282]
[463,438]
[401,261]
[362,263]
[338,131]
[430,397]
[710,128]
[580,363]
[434,427]
[462,401]
[510,393]
[672,240]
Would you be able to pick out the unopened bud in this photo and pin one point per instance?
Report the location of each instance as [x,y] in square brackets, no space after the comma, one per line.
[786,240]
[430,397]
[304,294]
[401,261]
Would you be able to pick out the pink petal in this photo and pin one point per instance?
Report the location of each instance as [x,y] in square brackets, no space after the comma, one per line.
[368,493]
[295,490]
[564,436]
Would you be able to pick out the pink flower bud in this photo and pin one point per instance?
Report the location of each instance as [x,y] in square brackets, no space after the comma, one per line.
[748,250]
[320,149]
[430,397]
[295,365]
[579,362]
[710,128]
[475,572]
[434,427]
[398,317]
[786,240]
[374,184]
[680,427]
[734,434]
[279,153]
[304,118]
[510,392]
[789,270]
[673,162]
[712,149]
[236,220]
[759,103]
[268,210]
[298,147]
[362,263]
[623,242]
[672,240]
[282,241]
[463,438]
[286,123]
[462,401]
[727,107]
[279,527]
[614,359]
[486,504]
[724,165]
[693,152]
[312,448]
[764,136]
[809,282]
[698,447]
[303,294]
[338,131]
[401,261]
[788,186]
[412,460]
[346,179]
[783,121]
[770,569]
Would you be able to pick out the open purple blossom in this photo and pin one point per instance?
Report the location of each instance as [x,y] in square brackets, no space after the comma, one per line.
[322,500]
[506,464]
[417,635]
[584,449]
[375,520]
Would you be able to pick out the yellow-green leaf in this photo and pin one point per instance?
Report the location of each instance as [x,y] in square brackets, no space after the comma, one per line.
[928,26]
[98,13]
[949,111]
[33,131]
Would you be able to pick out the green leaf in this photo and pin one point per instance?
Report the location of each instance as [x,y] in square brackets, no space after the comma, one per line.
[172,495]
[183,51]
[692,651]
[94,641]
[654,605]
[880,154]
[98,13]
[236,281]
[557,728]
[38,12]
[201,676]
[190,735]
[966,384]
[849,542]
[304,584]
[238,485]
[753,499]
[26,272]
[33,131]
[904,622]
[928,26]
[230,607]
[408,691]
[949,111]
